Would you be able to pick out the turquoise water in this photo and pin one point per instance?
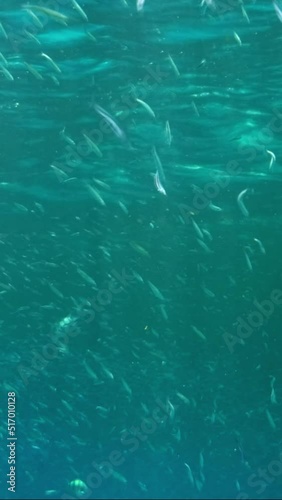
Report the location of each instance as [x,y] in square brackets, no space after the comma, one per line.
[140,237]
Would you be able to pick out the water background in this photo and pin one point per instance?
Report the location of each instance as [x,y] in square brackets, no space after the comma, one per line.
[147,316]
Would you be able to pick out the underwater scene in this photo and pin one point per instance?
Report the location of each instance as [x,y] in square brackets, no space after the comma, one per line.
[141,249]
